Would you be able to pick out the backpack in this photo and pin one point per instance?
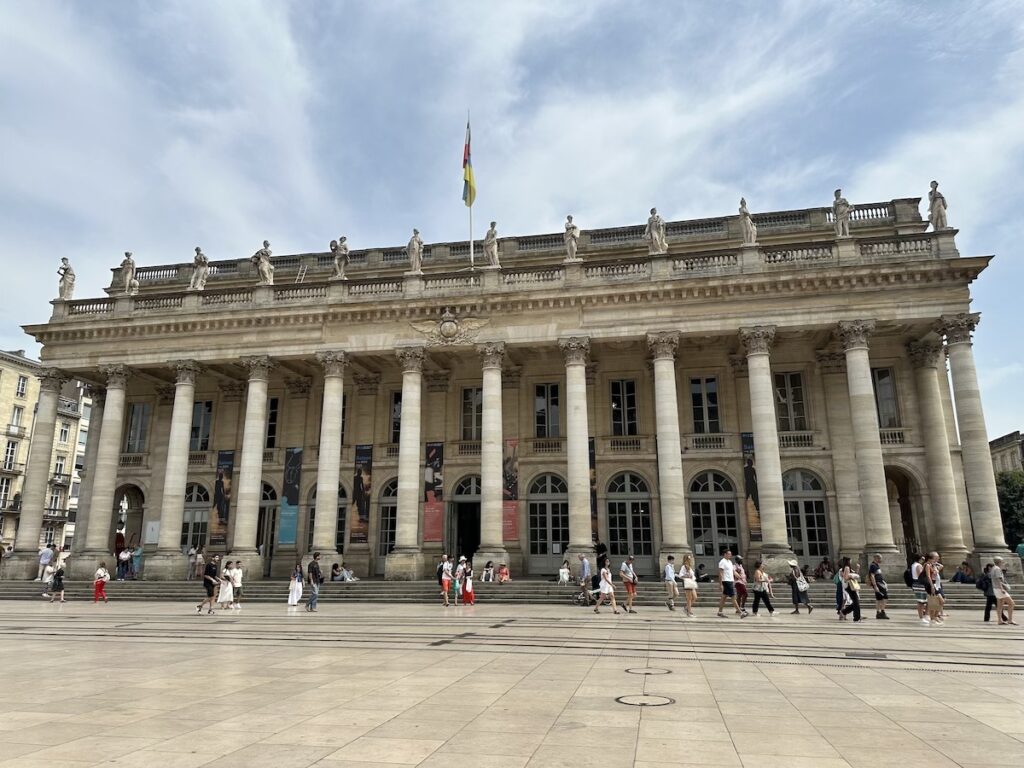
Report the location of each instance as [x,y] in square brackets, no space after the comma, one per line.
[908,579]
[838,578]
[984,584]
[440,571]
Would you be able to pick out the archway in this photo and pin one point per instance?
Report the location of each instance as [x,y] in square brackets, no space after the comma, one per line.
[129,504]
[464,519]
[806,516]
[714,524]
[908,528]
[387,503]
[629,521]
[548,516]
[266,529]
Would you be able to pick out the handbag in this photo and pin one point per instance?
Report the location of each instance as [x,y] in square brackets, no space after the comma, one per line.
[801,584]
[689,583]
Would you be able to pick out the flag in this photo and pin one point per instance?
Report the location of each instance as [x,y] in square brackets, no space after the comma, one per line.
[468,182]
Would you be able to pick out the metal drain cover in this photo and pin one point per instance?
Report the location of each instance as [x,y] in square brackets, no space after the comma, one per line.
[649,671]
[645,700]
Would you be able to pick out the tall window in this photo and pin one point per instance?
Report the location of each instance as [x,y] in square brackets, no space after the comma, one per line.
[138,427]
[17,414]
[22,386]
[10,455]
[623,401]
[885,397]
[83,435]
[65,432]
[56,499]
[344,416]
[202,419]
[789,400]
[396,416]
[60,465]
[545,410]
[472,413]
[704,401]
[5,491]
[273,412]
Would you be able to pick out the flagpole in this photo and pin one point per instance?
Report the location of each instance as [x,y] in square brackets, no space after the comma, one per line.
[472,263]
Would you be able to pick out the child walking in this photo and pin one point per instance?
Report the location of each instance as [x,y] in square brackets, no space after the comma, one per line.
[99,584]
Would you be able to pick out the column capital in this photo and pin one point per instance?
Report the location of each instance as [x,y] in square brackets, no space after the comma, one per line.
[958,328]
[853,334]
[575,349]
[439,380]
[368,384]
[186,371]
[492,353]
[258,366]
[97,394]
[52,380]
[298,386]
[116,375]
[232,391]
[663,344]
[830,362]
[332,361]
[411,358]
[925,354]
[758,339]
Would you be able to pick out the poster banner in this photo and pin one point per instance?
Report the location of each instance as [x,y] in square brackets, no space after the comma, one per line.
[362,485]
[593,491]
[751,502]
[221,512]
[510,491]
[433,492]
[288,525]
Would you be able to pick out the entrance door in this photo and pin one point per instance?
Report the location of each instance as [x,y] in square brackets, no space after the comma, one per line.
[467,530]
[714,526]
[629,523]
[548,515]
[388,505]
[266,529]
[195,521]
[806,516]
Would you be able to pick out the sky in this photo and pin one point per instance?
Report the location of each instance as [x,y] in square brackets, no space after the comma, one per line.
[159,126]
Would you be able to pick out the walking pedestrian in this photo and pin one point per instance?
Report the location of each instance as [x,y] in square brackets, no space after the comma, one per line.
[45,558]
[689,579]
[48,572]
[739,578]
[200,563]
[933,604]
[57,586]
[191,574]
[607,588]
[468,596]
[629,579]
[801,591]
[295,585]
[99,583]
[850,581]
[727,585]
[876,579]
[669,577]
[316,578]
[236,585]
[585,585]
[226,596]
[444,578]
[916,581]
[137,561]
[762,588]
[460,576]
[210,583]
[1001,591]
[124,563]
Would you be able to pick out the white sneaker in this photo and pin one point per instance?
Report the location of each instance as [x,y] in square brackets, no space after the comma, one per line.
[926,620]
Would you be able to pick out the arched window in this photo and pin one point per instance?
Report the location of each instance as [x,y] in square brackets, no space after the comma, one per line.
[548,485]
[548,514]
[269,494]
[339,530]
[628,482]
[806,515]
[195,520]
[388,520]
[629,521]
[196,494]
[468,487]
[713,521]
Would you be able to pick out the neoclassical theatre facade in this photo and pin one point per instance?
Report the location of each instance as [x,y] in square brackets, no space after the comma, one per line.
[781,390]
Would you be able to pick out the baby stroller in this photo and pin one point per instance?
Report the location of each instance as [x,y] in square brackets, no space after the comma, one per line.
[591,594]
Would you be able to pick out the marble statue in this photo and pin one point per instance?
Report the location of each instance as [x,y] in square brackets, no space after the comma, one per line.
[128,274]
[841,214]
[747,224]
[654,234]
[414,250]
[937,208]
[339,249]
[66,289]
[263,264]
[200,271]
[491,245]
[572,238]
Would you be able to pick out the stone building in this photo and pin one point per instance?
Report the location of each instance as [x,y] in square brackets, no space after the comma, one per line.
[759,384]
[1008,453]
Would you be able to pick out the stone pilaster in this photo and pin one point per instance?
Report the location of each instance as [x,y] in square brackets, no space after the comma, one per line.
[492,545]
[576,351]
[406,560]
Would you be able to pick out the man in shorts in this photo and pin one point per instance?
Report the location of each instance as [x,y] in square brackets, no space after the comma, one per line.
[877,581]
[669,577]
[726,580]
[628,576]
[210,582]
[917,579]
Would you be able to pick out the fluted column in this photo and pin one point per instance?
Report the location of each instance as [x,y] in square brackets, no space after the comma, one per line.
[853,334]
[674,530]
[250,473]
[979,476]
[927,357]
[576,350]
[757,341]
[168,562]
[37,473]
[98,396]
[406,560]
[328,465]
[492,545]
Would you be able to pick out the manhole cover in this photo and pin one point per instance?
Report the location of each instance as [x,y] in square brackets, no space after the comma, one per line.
[645,700]
[649,671]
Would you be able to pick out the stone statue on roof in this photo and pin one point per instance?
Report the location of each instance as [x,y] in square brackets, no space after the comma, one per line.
[491,245]
[263,264]
[339,249]
[414,250]
[841,214]
[66,288]
[654,234]
[937,208]
[200,271]
[131,285]
[747,225]
[572,239]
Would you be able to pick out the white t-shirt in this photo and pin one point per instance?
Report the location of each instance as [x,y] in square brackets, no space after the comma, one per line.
[626,572]
[915,571]
[236,578]
[670,572]
[446,570]
[726,569]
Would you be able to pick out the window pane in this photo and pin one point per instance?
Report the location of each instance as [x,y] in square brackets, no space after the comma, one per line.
[396,416]
[885,398]
[272,417]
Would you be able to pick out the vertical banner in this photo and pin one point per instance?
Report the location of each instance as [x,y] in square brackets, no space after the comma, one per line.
[510,491]
[222,499]
[751,502]
[593,491]
[362,485]
[288,525]
[433,492]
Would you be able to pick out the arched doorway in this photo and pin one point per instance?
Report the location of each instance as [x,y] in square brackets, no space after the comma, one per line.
[714,524]
[266,530]
[129,504]
[903,496]
[464,520]
[629,522]
[806,516]
[196,519]
[339,530]
[548,514]
[388,506]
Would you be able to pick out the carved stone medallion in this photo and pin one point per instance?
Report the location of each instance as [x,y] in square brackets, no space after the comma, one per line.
[449,329]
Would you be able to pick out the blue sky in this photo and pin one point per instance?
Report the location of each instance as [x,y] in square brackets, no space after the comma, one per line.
[159,126]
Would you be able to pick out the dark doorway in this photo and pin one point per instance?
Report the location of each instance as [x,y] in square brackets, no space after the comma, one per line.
[467,528]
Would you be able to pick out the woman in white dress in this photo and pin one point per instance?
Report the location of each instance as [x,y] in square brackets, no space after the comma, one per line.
[226,596]
[607,589]
[295,586]
[689,577]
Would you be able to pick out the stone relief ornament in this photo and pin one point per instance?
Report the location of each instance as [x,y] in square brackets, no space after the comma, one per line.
[414,250]
[263,264]
[841,214]
[131,285]
[449,329]
[339,250]
[654,234]
[491,245]
[747,225]
[937,208]
[200,271]
[66,287]
[572,239]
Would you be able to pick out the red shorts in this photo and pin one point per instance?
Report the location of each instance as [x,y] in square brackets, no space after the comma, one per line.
[741,590]
[630,587]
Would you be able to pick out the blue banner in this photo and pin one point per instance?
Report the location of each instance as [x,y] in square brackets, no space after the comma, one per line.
[288,525]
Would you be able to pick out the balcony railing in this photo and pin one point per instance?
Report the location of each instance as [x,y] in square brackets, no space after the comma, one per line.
[16,430]
[714,441]
[51,513]
[271,456]
[892,436]
[60,478]
[12,467]
[796,440]
[134,461]
[545,446]
[468,448]
[199,458]
[627,444]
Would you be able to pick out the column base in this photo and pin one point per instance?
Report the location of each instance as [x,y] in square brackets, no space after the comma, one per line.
[497,555]
[404,565]
[252,563]
[166,565]
[20,566]
[1012,566]
[81,566]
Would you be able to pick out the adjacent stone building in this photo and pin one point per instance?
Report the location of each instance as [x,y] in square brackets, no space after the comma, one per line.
[786,396]
[1008,453]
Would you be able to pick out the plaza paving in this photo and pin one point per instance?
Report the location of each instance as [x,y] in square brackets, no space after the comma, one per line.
[500,686]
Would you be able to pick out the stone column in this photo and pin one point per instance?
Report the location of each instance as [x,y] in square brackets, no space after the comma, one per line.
[757,341]
[101,503]
[832,366]
[98,395]
[328,464]
[492,544]
[405,563]
[853,334]
[576,350]
[250,474]
[168,562]
[979,475]
[674,530]
[927,357]
[25,563]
